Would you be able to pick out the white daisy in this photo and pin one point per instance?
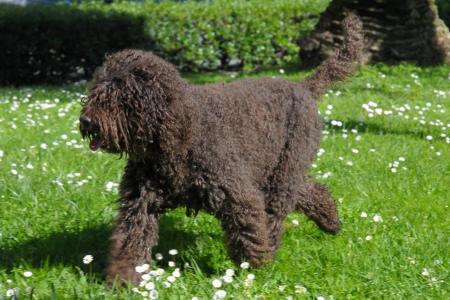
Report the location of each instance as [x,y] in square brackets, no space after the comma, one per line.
[220,294]
[173,252]
[87,259]
[217,283]
[27,274]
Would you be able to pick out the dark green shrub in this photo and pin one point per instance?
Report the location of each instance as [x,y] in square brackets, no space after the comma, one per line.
[53,43]
[224,34]
[444,10]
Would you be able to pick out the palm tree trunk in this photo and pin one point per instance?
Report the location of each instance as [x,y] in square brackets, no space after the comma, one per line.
[395,31]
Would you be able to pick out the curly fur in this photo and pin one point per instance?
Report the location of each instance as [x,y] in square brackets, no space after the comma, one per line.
[240,151]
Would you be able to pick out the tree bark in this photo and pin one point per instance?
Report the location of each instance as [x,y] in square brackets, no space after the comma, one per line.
[395,31]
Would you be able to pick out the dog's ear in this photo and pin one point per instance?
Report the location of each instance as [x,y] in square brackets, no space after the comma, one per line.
[157,74]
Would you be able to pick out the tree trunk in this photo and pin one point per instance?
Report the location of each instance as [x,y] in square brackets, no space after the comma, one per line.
[395,31]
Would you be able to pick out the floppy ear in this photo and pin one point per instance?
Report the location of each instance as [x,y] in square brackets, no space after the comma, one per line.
[162,97]
[167,122]
[159,74]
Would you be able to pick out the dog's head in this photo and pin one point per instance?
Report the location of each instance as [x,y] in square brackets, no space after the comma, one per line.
[128,102]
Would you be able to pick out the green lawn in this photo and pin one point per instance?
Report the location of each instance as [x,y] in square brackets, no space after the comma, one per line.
[385,158]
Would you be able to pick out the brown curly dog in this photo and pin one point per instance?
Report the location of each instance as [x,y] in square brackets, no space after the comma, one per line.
[240,151]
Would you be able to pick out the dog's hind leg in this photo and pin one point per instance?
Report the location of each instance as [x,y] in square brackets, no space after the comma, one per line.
[277,209]
[315,201]
[275,226]
[245,223]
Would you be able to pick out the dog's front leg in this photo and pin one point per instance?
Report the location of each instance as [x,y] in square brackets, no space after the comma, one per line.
[135,233]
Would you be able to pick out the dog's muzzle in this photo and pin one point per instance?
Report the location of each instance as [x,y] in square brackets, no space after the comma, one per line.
[85,123]
[87,130]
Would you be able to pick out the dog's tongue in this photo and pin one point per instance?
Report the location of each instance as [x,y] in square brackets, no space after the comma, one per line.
[94,145]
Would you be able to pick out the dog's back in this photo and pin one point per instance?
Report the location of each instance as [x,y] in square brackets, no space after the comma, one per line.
[242,124]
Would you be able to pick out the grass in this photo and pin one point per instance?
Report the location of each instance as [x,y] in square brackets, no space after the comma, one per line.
[57,202]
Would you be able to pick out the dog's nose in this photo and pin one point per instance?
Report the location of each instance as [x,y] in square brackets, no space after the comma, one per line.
[85,121]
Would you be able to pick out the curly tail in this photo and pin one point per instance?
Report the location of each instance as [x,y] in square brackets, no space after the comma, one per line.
[343,63]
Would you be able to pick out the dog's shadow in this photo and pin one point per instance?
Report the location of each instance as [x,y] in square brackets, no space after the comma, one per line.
[69,248]
[374,128]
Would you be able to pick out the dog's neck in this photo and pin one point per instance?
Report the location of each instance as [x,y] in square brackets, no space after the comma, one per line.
[169,153]
[175,132]
[172,138]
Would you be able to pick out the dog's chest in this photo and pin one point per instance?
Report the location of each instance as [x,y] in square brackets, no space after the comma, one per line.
[185,185]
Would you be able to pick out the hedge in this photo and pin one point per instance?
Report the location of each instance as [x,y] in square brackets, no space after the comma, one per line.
[53,43]
[56,43]
[444,10]
[226,34]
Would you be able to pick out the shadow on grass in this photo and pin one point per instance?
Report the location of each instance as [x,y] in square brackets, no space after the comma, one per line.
[66,248]
[364,127]
[69,248]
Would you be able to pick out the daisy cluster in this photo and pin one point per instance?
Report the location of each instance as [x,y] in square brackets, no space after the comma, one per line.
[396,164]
[11,291]
[112,187]
[37,112]
[33,112]
[429,274]
[326,174]
[74,179]
[422,115]
[376,218]
[349,161]
[301,290]
[155,278]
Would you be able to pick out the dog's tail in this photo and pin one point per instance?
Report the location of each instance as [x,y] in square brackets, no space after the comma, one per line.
[343,63]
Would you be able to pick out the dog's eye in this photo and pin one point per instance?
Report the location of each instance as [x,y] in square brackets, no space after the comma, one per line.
[84,100]
[117,80]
